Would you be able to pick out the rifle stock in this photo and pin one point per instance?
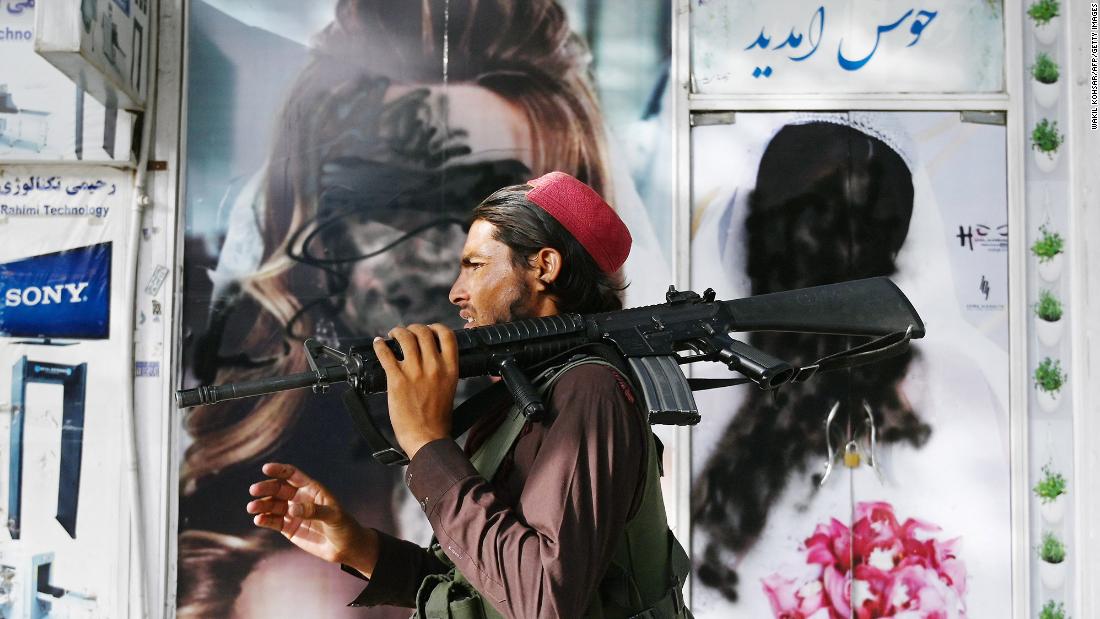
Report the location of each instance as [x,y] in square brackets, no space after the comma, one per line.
[864,307]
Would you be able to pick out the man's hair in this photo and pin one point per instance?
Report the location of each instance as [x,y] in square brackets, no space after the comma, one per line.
[523,226]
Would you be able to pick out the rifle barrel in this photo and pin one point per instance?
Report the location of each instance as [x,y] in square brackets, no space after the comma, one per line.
[213,394]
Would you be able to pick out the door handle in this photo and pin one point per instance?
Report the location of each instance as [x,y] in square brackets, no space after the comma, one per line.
[829,443]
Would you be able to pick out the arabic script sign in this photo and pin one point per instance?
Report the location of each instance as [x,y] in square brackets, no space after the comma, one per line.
[846,46]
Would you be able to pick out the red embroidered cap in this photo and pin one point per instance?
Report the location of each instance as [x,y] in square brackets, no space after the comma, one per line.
[585,215]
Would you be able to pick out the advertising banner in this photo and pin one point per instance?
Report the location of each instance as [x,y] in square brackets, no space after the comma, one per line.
[101,44]
[60,295]
[335,151]
[846,46]
[45,115]
[882,490]
[61,349]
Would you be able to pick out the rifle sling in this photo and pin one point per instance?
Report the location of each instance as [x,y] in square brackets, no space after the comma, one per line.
[382,450]
[873,351]
[880,348]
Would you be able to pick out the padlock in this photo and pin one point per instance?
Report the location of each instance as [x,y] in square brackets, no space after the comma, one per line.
[851,455]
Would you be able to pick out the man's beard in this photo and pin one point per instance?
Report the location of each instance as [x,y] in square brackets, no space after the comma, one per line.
[519,308]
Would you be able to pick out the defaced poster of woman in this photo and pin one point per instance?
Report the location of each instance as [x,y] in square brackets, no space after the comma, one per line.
[883,490]
[334,153]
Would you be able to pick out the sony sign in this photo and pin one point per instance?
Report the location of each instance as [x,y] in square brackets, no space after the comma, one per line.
[62,295]
[46,295]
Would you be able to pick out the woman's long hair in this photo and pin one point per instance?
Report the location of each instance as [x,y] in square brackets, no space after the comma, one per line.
[831,203]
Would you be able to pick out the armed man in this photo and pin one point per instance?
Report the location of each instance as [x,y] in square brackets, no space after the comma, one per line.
[556,517]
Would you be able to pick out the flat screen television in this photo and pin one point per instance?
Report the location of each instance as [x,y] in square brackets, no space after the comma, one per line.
[62,295]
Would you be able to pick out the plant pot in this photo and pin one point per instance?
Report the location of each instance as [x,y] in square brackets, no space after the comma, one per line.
[1046,33]
[1046,95]
[1049,331]
[1053,511]
[1048,400]
[1045,160]
[1053,575]
[1051,270]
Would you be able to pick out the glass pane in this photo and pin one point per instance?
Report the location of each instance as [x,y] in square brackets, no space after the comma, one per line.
[788,200]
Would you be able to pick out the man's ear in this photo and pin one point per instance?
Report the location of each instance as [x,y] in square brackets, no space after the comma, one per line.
[547,266]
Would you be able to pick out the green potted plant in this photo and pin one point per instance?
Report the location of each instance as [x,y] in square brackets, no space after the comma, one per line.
[1044,16]
[1052,565]
[1050,490]
[1048,318]
[1045,140]
[1048,249]
[1045,87]
[1049,379]
[1052,610]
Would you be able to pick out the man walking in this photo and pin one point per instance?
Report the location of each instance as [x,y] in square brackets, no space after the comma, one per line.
[561,517]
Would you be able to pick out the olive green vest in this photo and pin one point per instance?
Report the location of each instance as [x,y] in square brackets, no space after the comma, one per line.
[648,567]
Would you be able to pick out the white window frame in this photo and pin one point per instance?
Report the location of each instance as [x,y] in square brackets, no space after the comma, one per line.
[1011,103]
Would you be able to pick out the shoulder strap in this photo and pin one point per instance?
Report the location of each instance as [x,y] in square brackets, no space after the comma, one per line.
[649,566]
[488,457]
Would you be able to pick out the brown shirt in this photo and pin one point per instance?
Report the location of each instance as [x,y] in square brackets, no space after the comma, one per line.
[536,540]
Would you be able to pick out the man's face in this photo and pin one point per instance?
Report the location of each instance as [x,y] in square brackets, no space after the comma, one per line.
[490,287]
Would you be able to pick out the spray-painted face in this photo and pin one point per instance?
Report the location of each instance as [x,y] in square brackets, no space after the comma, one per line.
[392,210]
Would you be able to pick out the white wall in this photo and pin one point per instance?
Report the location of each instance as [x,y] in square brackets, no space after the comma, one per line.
[1084,248]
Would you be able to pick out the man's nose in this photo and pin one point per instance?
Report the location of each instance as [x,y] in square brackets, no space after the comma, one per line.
[458,294]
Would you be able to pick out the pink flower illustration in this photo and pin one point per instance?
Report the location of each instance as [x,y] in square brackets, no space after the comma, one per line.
[878,568]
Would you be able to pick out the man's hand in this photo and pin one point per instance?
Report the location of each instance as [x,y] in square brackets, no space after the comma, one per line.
[309,516]
[420,388]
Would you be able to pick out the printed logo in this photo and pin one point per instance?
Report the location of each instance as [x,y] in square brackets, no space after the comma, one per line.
[990,238]
[984,289]
[51,371]
[56,294]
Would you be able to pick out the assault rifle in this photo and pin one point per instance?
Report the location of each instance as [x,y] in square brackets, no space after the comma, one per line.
[654,341]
